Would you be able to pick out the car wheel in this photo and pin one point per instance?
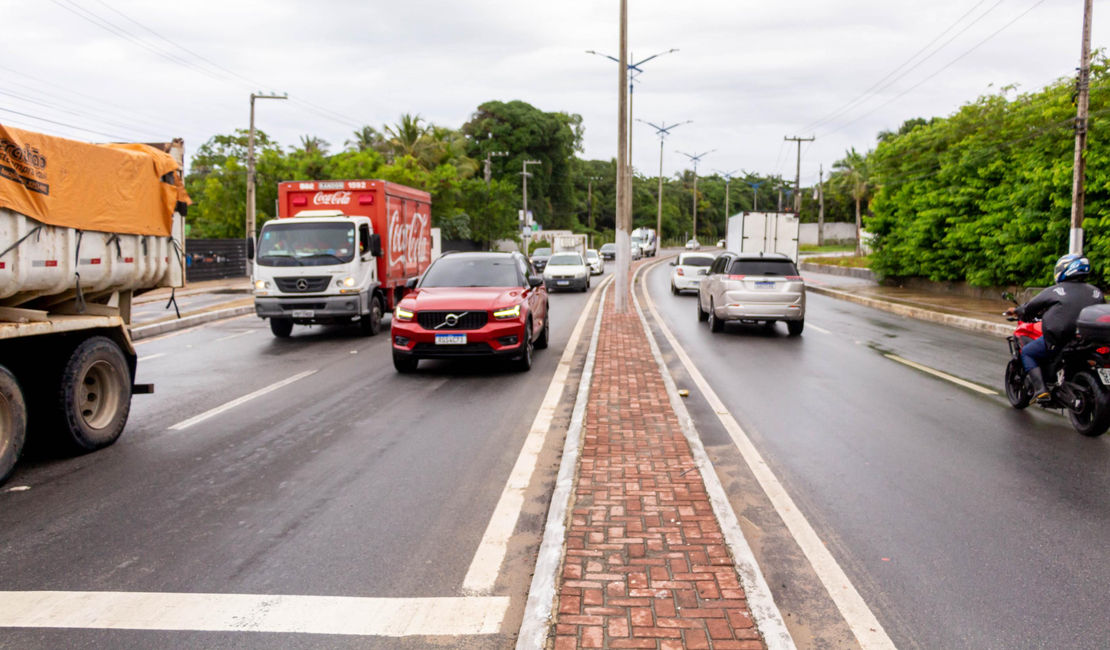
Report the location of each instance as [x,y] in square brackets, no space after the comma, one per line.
[545,335]
[795,327]
[371,323]
[524,361]
[281,327]
[404,364]
[702,315]
[715,324]
[674,289]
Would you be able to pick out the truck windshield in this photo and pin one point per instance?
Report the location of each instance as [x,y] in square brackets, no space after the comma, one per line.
[306,244]
[462,271]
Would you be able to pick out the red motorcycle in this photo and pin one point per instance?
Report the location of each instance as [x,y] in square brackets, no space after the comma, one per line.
[1077,377]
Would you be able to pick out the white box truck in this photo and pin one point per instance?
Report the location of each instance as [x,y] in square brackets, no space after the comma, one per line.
[646,239]
[570,244]
[82,229]
[763,232]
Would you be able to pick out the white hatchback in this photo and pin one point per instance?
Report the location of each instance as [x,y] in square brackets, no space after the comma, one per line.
[597,265]
[689,271]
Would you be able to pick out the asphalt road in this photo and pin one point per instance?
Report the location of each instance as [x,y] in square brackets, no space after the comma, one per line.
[151,311]
[962,522]
[352,481]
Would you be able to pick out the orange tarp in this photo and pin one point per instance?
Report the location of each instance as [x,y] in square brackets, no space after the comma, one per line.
[109,188]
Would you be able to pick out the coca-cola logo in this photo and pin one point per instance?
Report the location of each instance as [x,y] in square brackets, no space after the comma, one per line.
[331,198]
[407,241]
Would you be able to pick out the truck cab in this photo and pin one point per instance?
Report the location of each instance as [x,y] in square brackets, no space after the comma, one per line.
[319,267]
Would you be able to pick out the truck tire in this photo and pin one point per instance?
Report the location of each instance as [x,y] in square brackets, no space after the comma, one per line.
[281,327]
[13,423]
[94,398]
[371,323]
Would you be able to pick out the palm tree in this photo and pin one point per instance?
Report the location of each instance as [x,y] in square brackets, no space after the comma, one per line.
[855,177]
[365,139]
[313,144]
[405,137]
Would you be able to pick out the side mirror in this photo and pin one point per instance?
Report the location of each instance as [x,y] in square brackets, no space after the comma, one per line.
[411,283]
[535,281]
[703,272]
[376,244]
[250,248]
[1006,295]
[674,263]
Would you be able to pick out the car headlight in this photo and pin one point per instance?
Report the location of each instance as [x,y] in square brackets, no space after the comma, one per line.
[345,282]
[579,274]
[509,312]
[402,314]
[261,284]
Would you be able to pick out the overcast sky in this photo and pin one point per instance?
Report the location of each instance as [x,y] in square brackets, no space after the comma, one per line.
[747,73]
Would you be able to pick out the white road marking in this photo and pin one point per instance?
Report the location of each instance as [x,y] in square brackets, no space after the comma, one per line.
[819,329]
[945,376]
[18,488]
[867,629]
[486,565]
[152,356]
[394,617]
[236,335]
[236,402]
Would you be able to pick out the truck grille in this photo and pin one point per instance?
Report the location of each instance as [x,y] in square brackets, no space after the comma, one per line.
[473,320]
[310,285]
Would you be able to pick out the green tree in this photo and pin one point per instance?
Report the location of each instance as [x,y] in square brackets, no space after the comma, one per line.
[854,175]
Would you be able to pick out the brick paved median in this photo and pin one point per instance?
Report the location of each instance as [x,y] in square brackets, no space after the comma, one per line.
[646,564]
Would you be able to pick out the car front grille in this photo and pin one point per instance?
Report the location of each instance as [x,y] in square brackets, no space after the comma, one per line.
[302,285]
[466,320]
[467,350]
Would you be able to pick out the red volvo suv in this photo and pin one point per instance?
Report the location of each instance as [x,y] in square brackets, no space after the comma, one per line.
[472,305]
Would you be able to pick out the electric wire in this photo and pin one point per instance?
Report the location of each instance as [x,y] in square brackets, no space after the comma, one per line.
[71,126]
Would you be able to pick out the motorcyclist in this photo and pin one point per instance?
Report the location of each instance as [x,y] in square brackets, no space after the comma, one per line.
[1058,308]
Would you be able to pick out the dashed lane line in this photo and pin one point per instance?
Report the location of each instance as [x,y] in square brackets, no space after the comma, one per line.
[943,375]
[819,329]
[152,356]
[236,335]
[237,402]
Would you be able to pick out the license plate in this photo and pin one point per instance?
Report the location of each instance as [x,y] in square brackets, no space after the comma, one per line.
[1104,375]
[450,339]
[563,283]
[764,285]
[304,313]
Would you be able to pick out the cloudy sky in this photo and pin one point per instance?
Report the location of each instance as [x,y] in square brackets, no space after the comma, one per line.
[747,73]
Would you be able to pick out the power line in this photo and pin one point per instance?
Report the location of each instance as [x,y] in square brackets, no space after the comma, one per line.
[24,98]
[71,126]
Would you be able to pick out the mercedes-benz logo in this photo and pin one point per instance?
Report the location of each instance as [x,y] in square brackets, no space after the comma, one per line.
[302,284]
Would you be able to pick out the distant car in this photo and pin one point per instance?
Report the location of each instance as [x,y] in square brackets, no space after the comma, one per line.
[720,243]
[689,270]
[597,266]
[692,245]
[609,252]
[472,305]
[539,258]
[566,271]
[636,252]
[752,288]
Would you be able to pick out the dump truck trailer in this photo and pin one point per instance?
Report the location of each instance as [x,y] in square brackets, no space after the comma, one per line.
[83,228]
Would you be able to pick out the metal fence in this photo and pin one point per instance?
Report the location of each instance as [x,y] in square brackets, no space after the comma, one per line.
[215,259]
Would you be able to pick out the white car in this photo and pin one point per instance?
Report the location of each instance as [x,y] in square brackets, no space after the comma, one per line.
[597,266]
[689,270]
[692,245]
[720,243]
[635,251]
[566,271]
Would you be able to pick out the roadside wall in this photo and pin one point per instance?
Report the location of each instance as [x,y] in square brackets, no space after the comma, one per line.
[834,232]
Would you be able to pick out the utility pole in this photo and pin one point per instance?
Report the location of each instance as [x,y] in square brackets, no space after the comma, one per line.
[778,182]
[489,164]
[1083,83]
[755,194]
[696,158]
[798,177]
[624,212]
[524,174]
[249,228]
[821,206]
[728,179]
[662,132]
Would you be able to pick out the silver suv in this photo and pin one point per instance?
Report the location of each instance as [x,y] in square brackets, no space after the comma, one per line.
[752,288]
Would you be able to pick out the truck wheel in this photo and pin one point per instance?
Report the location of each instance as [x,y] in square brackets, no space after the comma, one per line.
[13,423]
[95,395]
[281,327]
[371,323]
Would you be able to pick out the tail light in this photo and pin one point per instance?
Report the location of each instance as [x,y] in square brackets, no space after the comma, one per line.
[680,271]
[737,277]
[796,278]
[1103,350]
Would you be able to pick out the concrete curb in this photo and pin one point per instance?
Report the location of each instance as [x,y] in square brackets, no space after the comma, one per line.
[147,331]
[961,322]
[843,271]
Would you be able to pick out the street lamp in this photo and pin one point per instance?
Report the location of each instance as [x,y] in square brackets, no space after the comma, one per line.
[662,132]
[633,71]
[755,194]
[728,179]
[696,158]
[490,155]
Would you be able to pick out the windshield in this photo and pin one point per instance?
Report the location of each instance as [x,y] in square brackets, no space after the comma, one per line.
[763,267]
[541,252]
[637,240]
[591,255]
[306,244]
[609,247]
[460,271]
[565,259]
[696,260]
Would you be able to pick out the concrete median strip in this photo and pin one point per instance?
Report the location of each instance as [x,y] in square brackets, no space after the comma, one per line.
[147,331]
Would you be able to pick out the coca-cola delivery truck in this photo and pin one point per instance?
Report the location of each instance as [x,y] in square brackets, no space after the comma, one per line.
[340,252]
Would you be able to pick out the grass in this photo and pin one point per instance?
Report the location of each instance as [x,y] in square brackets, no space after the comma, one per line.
[852,261]
[828,248]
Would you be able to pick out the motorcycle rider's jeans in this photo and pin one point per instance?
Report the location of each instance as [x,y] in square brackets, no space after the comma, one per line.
[1034,354]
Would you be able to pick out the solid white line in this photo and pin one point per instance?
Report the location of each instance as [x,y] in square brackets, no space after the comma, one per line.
[541,594]
[236,335]
[945,376]
[486,565]
[819,329]
[395,617]
[761,603]
[867,629]
[152,356]
[236,402]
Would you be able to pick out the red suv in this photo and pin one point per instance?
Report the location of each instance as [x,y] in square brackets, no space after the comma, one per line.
[472,305]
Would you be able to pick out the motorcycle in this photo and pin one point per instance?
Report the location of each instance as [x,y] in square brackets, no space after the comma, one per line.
[1077,378]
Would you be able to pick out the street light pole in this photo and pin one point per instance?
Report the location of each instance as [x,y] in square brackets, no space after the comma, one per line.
[524,174]
[755,194]
[1078,192]
[624,213]
[489,164]
[590,202]
[249,227]
[728,179]
[696,158]
[662,131]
